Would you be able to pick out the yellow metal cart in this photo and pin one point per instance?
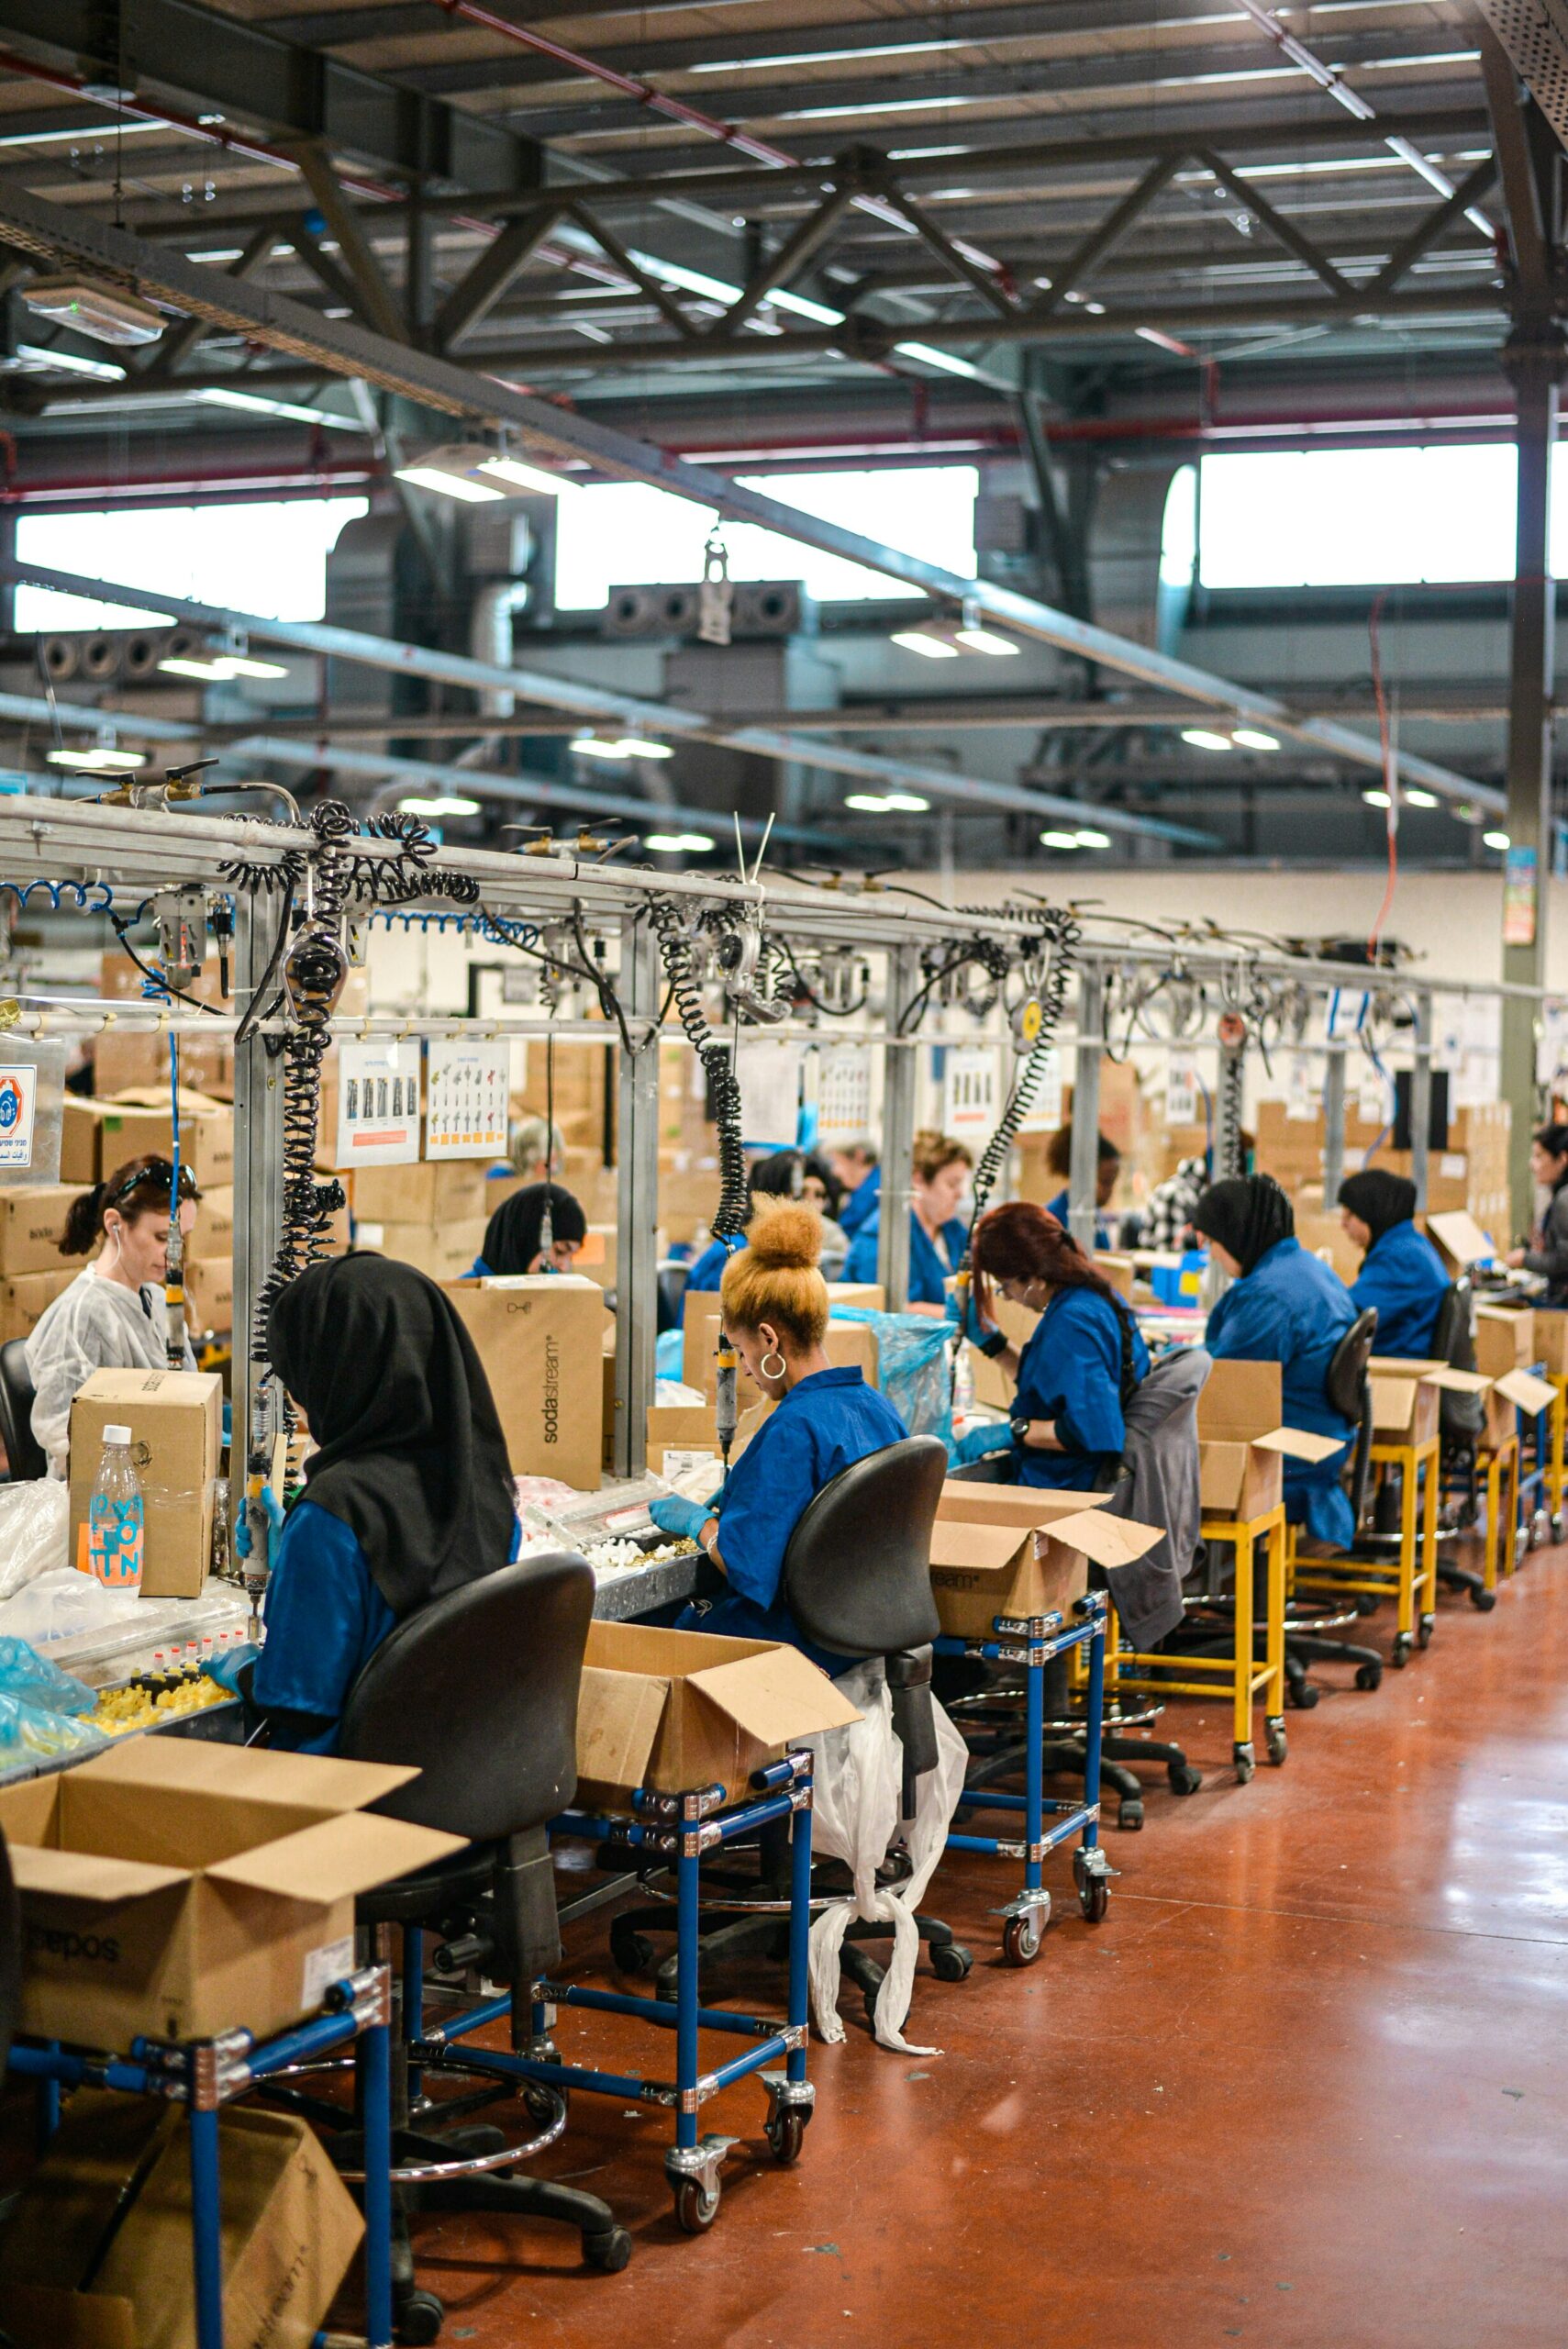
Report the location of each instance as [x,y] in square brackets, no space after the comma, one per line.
[1238,1674]
[1409,1578]
[1497,1467]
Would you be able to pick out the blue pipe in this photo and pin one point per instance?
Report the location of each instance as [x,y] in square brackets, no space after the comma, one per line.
[1034,1769]
[377,2125]
[799,1934]
[207,2240]
[687,1930]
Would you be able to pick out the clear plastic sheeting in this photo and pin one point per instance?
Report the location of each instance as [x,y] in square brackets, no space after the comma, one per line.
[856,1804]
[34,1535]
[105,1635]
[914,1366]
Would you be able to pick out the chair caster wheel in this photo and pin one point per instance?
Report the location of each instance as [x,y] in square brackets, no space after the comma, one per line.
[1424,1631]
[1093,1895]
[951,1961]
[1367,1603]
[1539,1526]
[607,2254]
[1129,1818]
[1022,1938]
[696,2206]
[632,1952]
[1302,1694]
[1184,1778]
[1370,1676]
[1558,1527]
[1484,1600]
[786,2134]
[1278,1745]
[1245,1764]
[418,2318]
[1399,1654]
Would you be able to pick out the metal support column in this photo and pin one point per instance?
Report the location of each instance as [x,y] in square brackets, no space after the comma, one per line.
[897,1132]
[1421,1099]
[636,1193]
[258,1178]
[1333,1125]
[1084,1167]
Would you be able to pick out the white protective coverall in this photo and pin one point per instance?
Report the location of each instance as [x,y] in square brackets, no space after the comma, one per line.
[95,1324]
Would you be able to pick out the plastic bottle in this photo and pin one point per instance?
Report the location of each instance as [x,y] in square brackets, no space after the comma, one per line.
[221,1562]
[115,1516]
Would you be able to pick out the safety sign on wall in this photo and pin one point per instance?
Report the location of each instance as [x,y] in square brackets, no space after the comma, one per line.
[969,1090]
[466,1113]
[378,1102]
[18,1101]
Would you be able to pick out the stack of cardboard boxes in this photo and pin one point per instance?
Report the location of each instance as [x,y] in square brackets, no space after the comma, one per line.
[32,1270]
[1471,1174]
[432,1214]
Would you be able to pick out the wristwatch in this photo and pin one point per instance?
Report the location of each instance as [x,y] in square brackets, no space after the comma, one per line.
[1020,1430]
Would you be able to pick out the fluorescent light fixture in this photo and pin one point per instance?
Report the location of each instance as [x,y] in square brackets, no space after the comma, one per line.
[100,759]
[635,746]
[1414,799]
[905,803]
[1060,840]
[69,363]
[449,484]
[867,803]
[974,638]
[245,664]
[1203,738]
[619,747]
[942,359]
[1497,840]
[512,471]
[443,803]
[477,471]
[929,647]
[1252,738]
[676,843]
[1089,838]
[180,665]
[821,56]
[1377,798]
[88,135]
[290,411]
[102,312]
[219,668]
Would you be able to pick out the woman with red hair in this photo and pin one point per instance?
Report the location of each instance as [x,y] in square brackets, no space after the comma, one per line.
[1083,1360]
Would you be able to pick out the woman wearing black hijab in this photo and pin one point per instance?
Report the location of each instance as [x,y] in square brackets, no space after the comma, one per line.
[1402,1274]
[407,1497]
[515,1236]
[1287,1308]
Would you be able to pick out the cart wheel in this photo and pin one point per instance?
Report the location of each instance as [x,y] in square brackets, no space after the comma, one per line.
[696,2206]
[1424,1631]
[1370,1676]
[786,2134]
[1129,1817]
[418,2318]
[1279,1746]
[1558,1527]
[1539,1526]
[1093,1895]
[543,2103]
[632,1951]
[1483,1599]
[1399,1655]
[1522,1546]
[607,2254]
[950,1960]
[1022,1938]
[1302,1694]
[1367,1602]
[1244,1761]
[1184,1779]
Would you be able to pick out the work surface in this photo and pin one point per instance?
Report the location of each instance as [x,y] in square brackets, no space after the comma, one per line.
[1307,2088]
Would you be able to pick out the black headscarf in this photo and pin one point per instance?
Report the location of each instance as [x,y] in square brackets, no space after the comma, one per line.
[512,1235]
[780,1176]
[1379,1198]
[412,1458]
[1248,1214]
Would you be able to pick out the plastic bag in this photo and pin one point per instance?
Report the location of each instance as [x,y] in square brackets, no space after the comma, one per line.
[28,1732]
[35,1532]
[856,1801]
[65,1604]
[914,1366]
[33,1680]
[669,1352]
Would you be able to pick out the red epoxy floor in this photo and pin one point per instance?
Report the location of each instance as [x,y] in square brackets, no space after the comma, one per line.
[1306,2087]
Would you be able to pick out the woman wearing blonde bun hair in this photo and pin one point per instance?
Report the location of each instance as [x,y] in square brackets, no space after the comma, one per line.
[775,1314]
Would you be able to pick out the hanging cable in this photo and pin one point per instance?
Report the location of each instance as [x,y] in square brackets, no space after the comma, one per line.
[724,1091]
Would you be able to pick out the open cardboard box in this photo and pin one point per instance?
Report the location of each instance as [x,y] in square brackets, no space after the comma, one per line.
[1551,1340]
[675,1711]
[1459,1239]
[1517,1390]
[175,1417]
[1242,1446]
[1019,1550]
[1407,1396]
[1505,1339]
[181,1889]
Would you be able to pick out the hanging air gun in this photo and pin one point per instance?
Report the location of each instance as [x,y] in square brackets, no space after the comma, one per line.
[726,1411]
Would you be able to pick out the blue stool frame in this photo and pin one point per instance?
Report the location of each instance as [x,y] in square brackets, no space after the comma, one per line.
[207,2074]
[679,1828]
[1034,1641]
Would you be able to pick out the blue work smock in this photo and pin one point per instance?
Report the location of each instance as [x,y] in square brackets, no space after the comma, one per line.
[928,1276]
[1402,1275]
[708,1269]
[1294,1310]
[325,1619]
[1071,1371]
[1058,1207]
[823,1425]
[861,1205]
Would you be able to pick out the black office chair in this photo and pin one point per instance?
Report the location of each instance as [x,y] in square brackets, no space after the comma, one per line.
[24,1453]
[1460,1420]
[478,1690]
[670,1292]
[857,1578]
[1348,1390]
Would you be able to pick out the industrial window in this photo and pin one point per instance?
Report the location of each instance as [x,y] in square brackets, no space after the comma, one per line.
[268,559]
[627,534]
[1337,518]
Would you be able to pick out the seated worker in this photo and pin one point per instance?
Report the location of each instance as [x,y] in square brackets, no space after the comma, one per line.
[780,1176]
[820,1190]
[514,1237]
[1108,1168]
[1286,1308]
[858,1177]
[407,1495]
[1168,1218]
[535,1150]
[1402,1274]
[938,1234]
[775,1314]
[1083,1362]
[1548,1251]
[112,1316]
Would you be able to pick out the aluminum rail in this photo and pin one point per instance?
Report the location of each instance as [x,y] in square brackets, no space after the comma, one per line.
[58,233]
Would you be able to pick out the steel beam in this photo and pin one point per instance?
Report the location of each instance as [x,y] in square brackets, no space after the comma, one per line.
[482,284]
[373,297]
[1283,232]
[1110,231]
[1437,224]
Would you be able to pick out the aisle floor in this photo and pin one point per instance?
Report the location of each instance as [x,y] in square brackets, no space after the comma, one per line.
[1306,2085]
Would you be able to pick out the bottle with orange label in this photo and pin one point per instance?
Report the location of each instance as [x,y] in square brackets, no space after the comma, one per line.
[115,1516]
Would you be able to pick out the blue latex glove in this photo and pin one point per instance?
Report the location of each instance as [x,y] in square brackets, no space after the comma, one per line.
[684,1518]
[975,1443]
[977,1331]
[226,1668]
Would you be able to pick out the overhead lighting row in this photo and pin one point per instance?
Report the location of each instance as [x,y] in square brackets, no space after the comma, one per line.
[1238,738]
[477,471]
[1085,837]
[946,640]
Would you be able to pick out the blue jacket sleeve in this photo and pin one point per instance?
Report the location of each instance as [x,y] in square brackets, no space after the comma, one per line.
[1247,1325]
[769,1488]
[1072,1373]
[324,1616]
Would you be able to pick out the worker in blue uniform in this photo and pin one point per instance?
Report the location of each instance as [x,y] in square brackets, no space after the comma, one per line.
[775,1313]
[407,1494]
[1107,1171]
[1402,1274]
[1082,1364]
[938,1233]
[1287,1308]
[541,1229]
[859,1176]
[778,1177]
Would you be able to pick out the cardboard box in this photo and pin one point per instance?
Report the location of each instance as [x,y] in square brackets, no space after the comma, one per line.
[869,1295]
[1504,1340]
[1017,1551]
[1118,1270]
[81,1125]
[540,1337]
[123,1059]
[1551,1340]
[31,1220]
[681,1433]
[175,1417]
[1242,1446]
[1459,1240]
[1407,1396]
[1522,1390]
[847,1344]
[139,1122]
[433,1191]
[209,1295]
[23,1302]
[96,2254]
[178,1888]
[678,1709]
[212,1235]
[444,1252]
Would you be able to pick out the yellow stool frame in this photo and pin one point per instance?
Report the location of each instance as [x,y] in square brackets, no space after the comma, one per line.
[1239,1674]
[1414,1573]
[1498,1464]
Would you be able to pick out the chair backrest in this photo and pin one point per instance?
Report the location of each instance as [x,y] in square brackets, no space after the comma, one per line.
[1345,1383]
[24,1453]
[479,1691]
[857,1574]
[1460,1416]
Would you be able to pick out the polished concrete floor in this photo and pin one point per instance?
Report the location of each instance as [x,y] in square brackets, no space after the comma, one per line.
[1305,2087]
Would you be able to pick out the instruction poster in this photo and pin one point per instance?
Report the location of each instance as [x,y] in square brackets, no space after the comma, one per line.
[1181,1090]
[969,1090]
[843,1096]
[469,1085]
[768,1074]
[378,1102]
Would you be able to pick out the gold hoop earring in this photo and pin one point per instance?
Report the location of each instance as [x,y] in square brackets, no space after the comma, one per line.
[774,1357]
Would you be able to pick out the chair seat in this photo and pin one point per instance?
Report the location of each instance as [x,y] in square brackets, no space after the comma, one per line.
[467,1873]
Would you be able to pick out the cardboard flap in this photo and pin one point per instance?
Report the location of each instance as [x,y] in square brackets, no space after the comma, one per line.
[1459,1382]
[776,1697]
[618,1715]
[1022,1506]
[1525,1389]
[1110,1541]
[1240,1400]
[85,1875]
[310,1781]
[1392,1402]
[1460,1235]
[982,1548]
[336,1857]
[1405,1365]
[1296,1444]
